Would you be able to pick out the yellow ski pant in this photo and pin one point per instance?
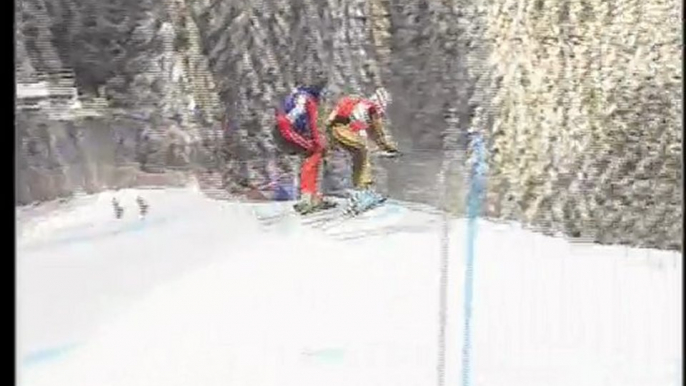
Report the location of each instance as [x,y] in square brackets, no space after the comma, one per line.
[356,145]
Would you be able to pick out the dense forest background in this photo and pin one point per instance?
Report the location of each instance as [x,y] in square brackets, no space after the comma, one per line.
[579,101]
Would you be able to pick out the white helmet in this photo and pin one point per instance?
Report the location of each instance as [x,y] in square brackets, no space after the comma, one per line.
[381,98]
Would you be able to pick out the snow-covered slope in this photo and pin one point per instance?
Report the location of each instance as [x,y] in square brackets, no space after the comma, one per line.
[201,293]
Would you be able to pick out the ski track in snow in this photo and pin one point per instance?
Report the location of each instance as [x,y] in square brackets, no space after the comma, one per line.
[202,293]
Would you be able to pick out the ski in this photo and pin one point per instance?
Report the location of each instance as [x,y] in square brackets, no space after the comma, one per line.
[329,217]
[315,217]
[272,219]
[323,218]
[348,213]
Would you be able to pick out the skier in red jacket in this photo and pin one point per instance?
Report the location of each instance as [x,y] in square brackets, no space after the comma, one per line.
[296,121]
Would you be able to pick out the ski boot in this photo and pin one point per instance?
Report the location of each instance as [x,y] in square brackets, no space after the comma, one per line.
[310,204]
[363,200]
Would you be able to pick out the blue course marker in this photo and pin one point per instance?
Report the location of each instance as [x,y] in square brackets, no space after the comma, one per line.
[473,211]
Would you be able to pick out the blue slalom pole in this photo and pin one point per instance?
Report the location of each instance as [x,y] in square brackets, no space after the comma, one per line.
[474,199]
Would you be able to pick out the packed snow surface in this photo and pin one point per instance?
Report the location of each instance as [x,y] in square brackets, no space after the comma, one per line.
[204,292]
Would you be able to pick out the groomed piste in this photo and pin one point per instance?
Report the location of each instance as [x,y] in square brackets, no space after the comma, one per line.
[202,292]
